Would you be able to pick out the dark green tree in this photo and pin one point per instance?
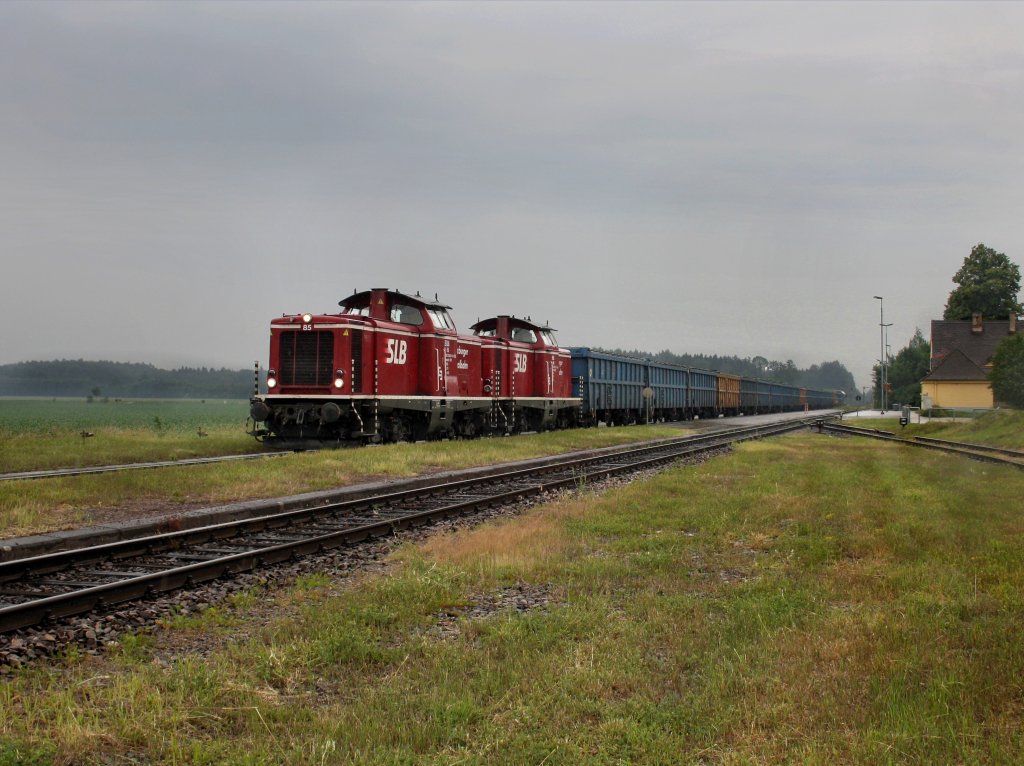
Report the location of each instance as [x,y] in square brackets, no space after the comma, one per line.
[988,282]
[905,372]
[907,369]
[1007,374]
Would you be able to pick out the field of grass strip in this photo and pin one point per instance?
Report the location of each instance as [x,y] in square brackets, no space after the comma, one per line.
[44,505]
[999,428]
[37,434]
[805,599]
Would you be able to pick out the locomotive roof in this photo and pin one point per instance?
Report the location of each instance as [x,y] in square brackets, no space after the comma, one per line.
[357,299]
[486,324]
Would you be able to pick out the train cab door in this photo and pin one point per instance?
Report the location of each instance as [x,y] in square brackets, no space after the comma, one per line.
[439,347]
[552,367]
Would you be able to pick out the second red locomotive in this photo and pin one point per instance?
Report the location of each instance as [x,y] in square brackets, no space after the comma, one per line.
[393,367]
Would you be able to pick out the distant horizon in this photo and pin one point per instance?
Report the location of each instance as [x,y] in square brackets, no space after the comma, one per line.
[124,361]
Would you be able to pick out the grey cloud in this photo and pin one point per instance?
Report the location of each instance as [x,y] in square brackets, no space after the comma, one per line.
[713,174]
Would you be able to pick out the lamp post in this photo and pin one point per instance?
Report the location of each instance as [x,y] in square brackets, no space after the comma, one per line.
[881,352]
[885,366]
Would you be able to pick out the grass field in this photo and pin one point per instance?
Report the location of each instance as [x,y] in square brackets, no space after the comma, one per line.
[33,506]
[40,415]
[999,428]
[46,433]
[804,600]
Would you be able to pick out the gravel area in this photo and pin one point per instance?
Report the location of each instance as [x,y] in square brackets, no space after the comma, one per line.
[95,632]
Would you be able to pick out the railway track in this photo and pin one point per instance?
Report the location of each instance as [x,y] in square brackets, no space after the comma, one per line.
[981,452]
[43,589]
[56,473]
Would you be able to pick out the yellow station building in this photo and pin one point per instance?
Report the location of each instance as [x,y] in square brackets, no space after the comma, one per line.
[961,361]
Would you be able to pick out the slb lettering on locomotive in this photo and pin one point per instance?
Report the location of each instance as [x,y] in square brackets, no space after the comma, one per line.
[397,351]
[520,363]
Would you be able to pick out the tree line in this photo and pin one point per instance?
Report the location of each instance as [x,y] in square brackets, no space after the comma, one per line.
[97,379]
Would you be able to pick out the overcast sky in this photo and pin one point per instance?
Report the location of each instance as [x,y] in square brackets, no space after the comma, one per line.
[725,178]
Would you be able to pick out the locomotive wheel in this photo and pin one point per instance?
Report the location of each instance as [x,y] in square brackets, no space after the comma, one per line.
[466,427]
[420,422]
[398,430]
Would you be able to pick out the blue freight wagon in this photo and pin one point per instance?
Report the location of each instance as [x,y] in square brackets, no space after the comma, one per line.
[617,389]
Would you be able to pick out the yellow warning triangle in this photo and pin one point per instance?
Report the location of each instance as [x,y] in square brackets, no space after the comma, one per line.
[346,334]
[380,301]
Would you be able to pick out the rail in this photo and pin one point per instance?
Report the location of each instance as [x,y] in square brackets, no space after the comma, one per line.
[56,473]
[974,451]
[45,588]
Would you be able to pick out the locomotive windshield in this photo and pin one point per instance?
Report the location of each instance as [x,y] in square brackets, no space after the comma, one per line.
[406,314]
[524,335]
[441,319]
[359,311]
[549,337]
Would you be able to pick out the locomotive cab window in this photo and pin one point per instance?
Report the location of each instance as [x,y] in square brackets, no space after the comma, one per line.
[359,311]
[549,337]
[406,314]
[487,333]
[441,319]
[524,335]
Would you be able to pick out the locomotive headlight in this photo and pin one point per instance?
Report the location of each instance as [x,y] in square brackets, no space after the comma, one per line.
[307,318]
[271,379]
[339,383]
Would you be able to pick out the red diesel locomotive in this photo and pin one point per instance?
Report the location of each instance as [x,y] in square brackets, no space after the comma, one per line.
[393,367]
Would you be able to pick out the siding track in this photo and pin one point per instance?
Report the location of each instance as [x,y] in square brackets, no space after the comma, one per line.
[986,454]
[57,473]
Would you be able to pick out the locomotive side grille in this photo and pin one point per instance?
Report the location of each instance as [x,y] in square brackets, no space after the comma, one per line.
[307,358]
[357,361]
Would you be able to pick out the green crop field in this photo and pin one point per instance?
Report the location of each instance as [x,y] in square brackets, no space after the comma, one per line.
[21,415]
[47,433]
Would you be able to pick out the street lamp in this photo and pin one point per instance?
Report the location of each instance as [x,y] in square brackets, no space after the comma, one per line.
[885,363]
[881,352]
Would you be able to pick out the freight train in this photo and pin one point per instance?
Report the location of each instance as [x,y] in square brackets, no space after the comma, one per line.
[393,367]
